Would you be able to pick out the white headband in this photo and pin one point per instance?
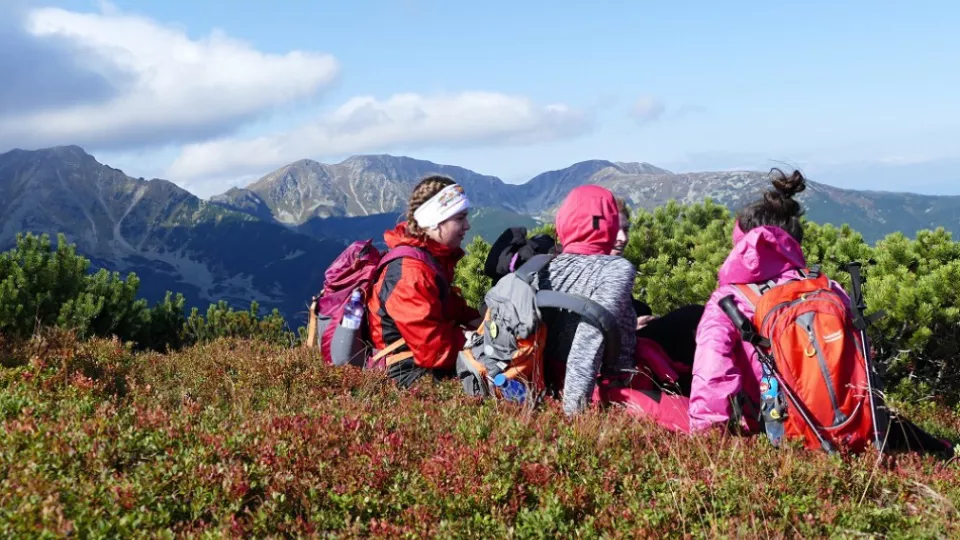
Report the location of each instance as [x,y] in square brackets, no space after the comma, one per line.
[449,202]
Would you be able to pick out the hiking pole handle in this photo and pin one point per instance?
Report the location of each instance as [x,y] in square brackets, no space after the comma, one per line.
[747,331]
[856,283]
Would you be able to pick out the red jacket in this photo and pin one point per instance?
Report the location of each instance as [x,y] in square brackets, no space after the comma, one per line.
[410,302]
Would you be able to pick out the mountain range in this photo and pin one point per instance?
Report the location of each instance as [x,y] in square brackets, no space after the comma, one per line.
[272,240]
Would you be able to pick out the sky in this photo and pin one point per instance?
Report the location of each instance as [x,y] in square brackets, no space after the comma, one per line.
[213,94]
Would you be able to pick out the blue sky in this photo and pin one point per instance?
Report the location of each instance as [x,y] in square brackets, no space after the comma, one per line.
[858,94]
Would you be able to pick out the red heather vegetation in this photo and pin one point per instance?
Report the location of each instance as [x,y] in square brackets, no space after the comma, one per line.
[240,437]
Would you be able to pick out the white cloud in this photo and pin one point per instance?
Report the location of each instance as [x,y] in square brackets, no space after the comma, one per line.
[647,109]
[402,122]
[168,87]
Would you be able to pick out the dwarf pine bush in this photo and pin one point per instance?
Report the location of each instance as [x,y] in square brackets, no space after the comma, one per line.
[42,287]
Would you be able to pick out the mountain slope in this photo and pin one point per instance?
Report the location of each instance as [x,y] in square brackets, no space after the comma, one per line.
[873,214]
[306,194]
[359,186]
[170,238]
[272,241]
[547,190]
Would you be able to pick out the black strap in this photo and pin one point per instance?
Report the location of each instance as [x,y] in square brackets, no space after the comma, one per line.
[591,312]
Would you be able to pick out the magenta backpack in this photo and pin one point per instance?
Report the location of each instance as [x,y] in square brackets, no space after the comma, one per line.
[357,267]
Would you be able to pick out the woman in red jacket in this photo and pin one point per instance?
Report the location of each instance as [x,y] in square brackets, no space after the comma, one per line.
[414,309]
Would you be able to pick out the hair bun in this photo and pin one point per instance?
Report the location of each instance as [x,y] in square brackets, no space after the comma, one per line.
[788,186]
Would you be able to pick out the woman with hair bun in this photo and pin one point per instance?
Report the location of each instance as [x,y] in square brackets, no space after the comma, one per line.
[414,307]
[767,237]
[766,246]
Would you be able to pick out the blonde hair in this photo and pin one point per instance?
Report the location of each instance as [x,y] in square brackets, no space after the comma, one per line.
[426,188]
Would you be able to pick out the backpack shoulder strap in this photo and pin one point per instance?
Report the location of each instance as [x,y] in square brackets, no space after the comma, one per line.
[532,267]
[753,291]
[592,313]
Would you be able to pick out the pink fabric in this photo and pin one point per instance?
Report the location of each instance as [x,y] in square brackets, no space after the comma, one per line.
[575,221]
[724,365]
[667,410]
[650,355]
[513,261]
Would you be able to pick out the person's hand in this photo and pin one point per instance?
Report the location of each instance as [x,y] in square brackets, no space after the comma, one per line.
[644,320]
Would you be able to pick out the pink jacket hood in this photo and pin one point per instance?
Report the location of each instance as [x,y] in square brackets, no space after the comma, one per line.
[725,368]
[588,221]
[762,254]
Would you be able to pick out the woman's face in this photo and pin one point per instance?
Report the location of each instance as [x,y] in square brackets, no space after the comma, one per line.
[623,236]
[452,231]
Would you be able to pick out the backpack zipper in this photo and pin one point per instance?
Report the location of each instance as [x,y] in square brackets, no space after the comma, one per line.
[838,416]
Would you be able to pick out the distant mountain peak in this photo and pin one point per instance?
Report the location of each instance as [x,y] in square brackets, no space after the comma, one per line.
[65,151]
[69,149]
[640,168]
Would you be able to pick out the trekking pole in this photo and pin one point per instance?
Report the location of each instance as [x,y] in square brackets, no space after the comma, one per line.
[860,322]
[749,333]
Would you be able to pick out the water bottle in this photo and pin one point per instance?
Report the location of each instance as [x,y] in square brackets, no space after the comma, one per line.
[512,389]
[353,312]
[772,407]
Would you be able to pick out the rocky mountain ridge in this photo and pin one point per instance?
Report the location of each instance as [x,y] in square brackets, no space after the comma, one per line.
[310,192]
[170,238]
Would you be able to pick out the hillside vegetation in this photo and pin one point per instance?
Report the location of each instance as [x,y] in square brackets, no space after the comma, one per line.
[220,424]
[242,437]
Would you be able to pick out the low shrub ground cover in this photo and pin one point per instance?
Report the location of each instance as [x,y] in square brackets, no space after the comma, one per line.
[242,437]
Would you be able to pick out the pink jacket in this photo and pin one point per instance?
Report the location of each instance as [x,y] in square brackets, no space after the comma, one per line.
[723,365]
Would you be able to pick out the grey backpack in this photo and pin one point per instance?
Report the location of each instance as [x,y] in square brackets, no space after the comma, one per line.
[506,359]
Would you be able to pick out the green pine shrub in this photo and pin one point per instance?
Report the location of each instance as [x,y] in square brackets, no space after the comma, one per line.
[45,288]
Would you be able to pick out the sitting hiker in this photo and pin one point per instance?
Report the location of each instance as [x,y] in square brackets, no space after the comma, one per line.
[674,332]
[766,238]
[623,232]
[726,383]
[587,224]
[644,313]
[413,300]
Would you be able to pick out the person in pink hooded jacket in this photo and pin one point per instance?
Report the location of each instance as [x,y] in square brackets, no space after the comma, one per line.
[725,390]
[767,237]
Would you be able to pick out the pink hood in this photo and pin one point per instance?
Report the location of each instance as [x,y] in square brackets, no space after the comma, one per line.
[588,221]
[763,253]
[724,367]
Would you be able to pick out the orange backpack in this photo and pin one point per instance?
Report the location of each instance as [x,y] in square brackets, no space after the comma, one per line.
[817,383]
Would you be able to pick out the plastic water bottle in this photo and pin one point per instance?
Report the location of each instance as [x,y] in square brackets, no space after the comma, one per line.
[512,389]
[771,407]
[353,312]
